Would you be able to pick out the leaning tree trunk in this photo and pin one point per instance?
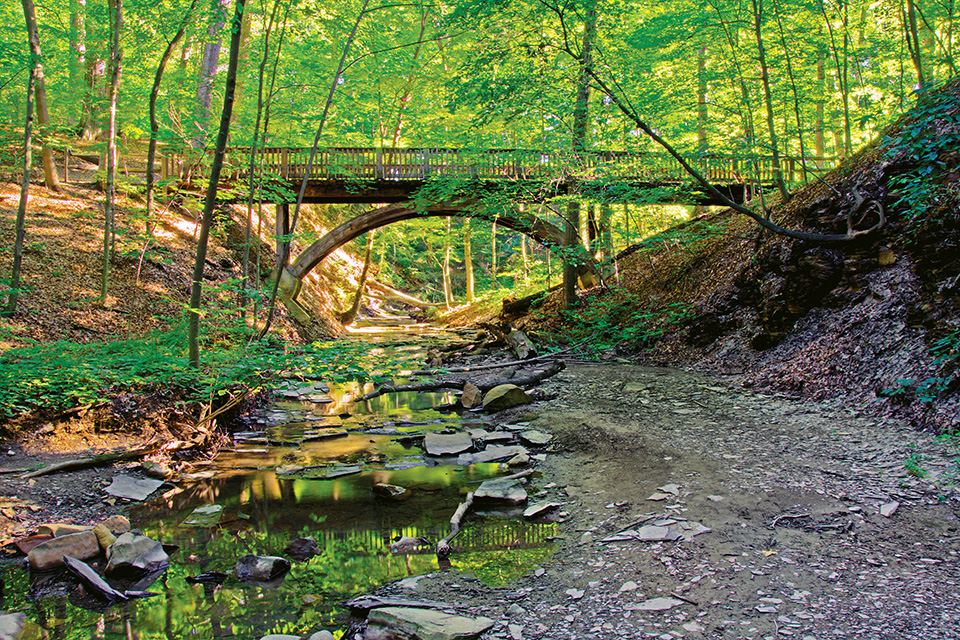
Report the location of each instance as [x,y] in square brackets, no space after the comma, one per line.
[208,70]
[349,315]
[154,125]
[34,40]
[215,168]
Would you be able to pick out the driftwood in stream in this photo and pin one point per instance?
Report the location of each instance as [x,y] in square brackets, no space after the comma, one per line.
[437,385]
[443,546]
[516,308]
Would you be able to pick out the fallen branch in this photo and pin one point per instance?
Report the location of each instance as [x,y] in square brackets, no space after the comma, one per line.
[443,547]
[95,461]
[553,370]
[498,365]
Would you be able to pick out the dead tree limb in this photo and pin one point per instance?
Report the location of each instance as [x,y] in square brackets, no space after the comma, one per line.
[443,547]
[437,385]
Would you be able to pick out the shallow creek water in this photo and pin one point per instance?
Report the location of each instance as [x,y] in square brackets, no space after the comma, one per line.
[306,466]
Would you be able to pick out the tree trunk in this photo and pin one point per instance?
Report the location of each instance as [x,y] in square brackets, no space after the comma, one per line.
[913,42]
[208,70]
[242,64]
[209,203]
[78,50]
[796,95]
[606,231]
[116,61]
[468,259]
[702,141]
[348,316]
[154,125]
[579,142]
[768,99]
[493,251]
[34,40]
[447,285]
[50,177]
[820,150]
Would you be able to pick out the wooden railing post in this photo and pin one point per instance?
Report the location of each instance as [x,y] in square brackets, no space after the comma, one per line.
[378,171]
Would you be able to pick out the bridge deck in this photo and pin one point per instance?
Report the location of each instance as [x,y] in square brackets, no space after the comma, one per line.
[358,174]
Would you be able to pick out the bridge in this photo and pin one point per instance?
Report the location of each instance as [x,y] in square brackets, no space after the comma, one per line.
[391,175]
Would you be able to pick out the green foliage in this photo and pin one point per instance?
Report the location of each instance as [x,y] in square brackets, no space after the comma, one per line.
[914,465]
[60,375]
[619,319]
[929,135]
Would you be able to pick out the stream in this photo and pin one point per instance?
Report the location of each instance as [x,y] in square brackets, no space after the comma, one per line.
[305,466]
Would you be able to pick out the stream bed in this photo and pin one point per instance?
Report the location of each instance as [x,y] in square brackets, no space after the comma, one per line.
[305,466]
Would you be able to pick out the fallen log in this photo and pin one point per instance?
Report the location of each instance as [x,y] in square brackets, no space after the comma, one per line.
[95,461]
[437,385]
[521,344]
[443,546]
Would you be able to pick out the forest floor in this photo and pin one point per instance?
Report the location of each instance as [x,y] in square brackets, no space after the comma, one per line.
[791,490]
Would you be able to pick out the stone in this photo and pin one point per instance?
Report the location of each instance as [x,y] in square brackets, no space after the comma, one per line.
[49,554]
[889,508]
[501,491]
[634,387]
[672,488]
[655,604]
[281,636]
[653,533]
[471,396]
[133,555]
[575,594]
[11,626]
[535,438]
[261,568]
[491,454]
[886,257]
[658,496]
[105,537]
[447,444]
[205,516]
[321,635]
[156,470]
[499,437]
[302,548]
[629,586]
[518,460]
[398,623]
[539,509]
[516,631]
[131,488]
[505,396]
[391,491]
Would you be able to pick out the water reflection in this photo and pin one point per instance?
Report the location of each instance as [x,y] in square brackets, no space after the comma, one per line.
[272,486]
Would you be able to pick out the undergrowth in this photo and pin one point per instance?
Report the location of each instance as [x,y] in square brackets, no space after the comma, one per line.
[53,377]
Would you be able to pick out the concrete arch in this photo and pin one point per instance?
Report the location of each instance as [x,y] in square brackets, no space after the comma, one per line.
[543,232]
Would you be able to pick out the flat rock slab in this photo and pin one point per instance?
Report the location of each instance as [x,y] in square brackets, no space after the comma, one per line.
[540,508]
[535,438]
[500,437]
[447,444]
[655,604]
[502,491]
[205,516]
[50,554]
[491,454]
[390,623]
[133,488]
[329,473]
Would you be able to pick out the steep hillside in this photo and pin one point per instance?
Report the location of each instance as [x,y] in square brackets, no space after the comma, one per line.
[874,322]
[149,282]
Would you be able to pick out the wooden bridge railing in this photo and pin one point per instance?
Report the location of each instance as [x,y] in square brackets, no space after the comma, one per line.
[402,164]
